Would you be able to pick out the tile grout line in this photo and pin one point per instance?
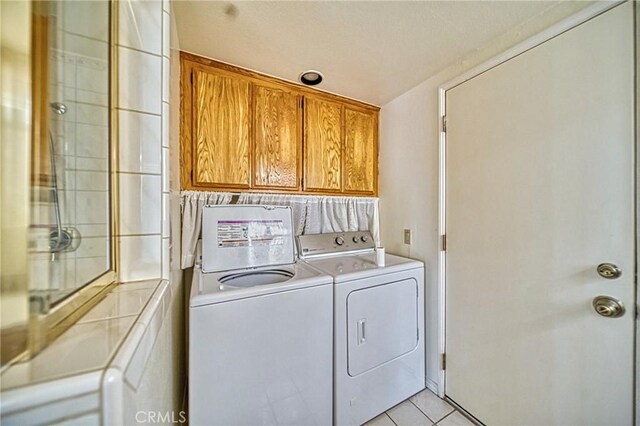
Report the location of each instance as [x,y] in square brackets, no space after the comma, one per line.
[390,418]
[454,410]
[140,50]
[139,111]
[419,409]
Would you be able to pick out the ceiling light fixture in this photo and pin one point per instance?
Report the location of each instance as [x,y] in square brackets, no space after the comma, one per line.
[311,78]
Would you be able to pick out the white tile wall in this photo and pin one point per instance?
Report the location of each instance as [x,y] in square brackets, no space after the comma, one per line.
[92,114]
[90,207]
[96,140]
[86,163]
[165,124]
[166,72]
[141,204]
[166,33]
[76,19]
[165,169]
[139,23]
[91,181]
[84,46]
[86,268]
[165,81]
[139,80]
[143,41]
[92,247]
[165,216]
[140,142]
[91,78]
[140,257]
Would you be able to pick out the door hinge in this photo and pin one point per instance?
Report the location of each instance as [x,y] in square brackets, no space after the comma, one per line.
[444,242]
[444,361]
[444,123]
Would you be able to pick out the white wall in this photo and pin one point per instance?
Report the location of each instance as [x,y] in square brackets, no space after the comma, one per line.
[409,168]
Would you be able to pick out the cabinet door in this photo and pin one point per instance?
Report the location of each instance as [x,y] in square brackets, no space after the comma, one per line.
[322,145]
[360,151]
[277,127]
[220,130]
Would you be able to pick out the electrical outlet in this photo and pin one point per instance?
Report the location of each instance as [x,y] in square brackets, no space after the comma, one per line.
[407,236]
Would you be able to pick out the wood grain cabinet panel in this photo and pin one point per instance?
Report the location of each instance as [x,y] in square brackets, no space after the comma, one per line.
[323,145]
[277,148]
[360,151]
[221,130]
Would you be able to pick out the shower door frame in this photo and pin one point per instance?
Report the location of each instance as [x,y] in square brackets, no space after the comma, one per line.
[46,327]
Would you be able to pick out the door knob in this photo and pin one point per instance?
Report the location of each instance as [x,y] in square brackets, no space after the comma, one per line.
[608,306]
[609,270]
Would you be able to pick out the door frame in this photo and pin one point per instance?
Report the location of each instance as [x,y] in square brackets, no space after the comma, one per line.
[566,24]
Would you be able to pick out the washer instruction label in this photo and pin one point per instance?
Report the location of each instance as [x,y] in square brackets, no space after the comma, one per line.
[250,233]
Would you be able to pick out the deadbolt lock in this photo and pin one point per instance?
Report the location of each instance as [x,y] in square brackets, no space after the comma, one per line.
[608,306]
[609,270]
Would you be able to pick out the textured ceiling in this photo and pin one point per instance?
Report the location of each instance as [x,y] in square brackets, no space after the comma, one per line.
[368,50]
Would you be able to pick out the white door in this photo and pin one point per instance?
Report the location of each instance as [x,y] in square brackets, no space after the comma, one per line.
[539,192]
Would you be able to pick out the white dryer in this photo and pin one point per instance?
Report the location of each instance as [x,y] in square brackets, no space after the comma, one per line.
[379,351]
[260,324]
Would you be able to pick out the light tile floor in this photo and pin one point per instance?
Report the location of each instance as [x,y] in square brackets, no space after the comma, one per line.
[423,409]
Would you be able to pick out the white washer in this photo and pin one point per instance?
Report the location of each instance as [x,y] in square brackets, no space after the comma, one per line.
[260,324]
[379,351]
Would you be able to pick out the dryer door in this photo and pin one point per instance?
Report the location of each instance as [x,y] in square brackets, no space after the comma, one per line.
[382,324]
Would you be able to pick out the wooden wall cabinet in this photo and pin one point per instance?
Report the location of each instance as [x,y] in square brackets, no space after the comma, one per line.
[277,138]
[243,131]
[220,130]
[322,145]
[360,155]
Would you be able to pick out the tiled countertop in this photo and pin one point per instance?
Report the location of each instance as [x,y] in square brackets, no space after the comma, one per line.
[112,335]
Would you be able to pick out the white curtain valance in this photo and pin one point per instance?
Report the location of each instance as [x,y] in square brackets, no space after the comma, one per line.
[311,214]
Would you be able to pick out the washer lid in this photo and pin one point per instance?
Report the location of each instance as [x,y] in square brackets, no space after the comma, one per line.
[216,287]
[246,236]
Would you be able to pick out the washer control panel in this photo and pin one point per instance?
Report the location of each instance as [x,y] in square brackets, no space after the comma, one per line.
[336,242]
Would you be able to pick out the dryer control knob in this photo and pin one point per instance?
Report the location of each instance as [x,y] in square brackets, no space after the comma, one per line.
[364,238]
[339,241]
[356,239]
